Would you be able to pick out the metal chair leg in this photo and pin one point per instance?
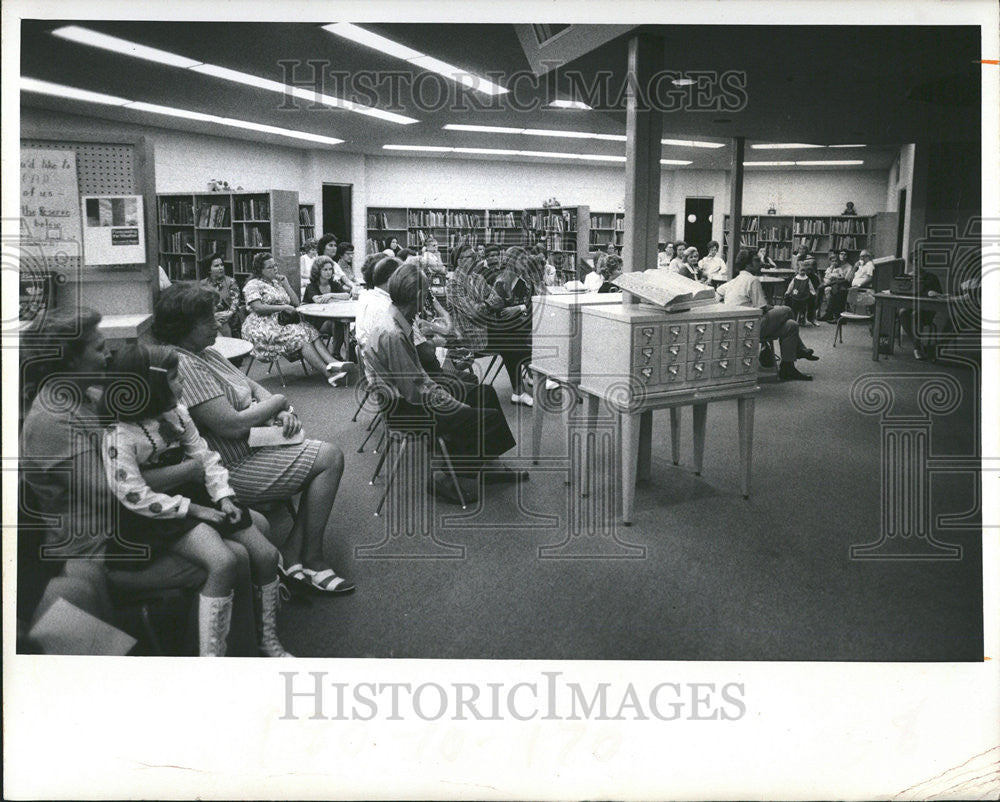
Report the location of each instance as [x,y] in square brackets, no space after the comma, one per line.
[451,471]
[368,392]
[147,625]
[250,364]
[392,471]
[381,440]
[371,431]
[281,374]
[378,468]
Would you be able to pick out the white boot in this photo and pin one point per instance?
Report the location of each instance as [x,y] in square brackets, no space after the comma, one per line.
[214,616]
[267,614]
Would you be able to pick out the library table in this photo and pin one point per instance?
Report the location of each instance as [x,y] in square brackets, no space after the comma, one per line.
[639,358]
[232,347]
[883,328]
[341,311]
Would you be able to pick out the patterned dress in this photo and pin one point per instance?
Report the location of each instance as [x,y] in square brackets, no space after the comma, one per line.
[269,338]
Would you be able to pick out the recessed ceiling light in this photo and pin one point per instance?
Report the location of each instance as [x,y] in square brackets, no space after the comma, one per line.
[784,146]
[569,104]
[366,38]
[83,36]
[830,163]
[71,93]
[93,38]
[57,90]
[691,143]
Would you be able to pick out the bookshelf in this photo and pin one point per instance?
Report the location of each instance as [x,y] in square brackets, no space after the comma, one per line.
[307,223]
[238,225]
[784,234]
[564,231]
[606,228]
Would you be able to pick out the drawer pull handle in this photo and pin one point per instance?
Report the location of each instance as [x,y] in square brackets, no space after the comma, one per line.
[647,353]
[675,350]
[672,369]
[724,364]
[749,325]
[647,333]
[699,367]
[700,328]
[675,331]
[700,348]
[724,327]
[724,346]
[646,372]
[747,362]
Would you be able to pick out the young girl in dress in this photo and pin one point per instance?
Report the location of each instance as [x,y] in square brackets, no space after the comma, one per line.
[155,431]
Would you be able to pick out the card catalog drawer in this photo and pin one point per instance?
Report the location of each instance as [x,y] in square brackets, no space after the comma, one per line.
[746,364]
[673,353]
[725,329]
[648,375]
[699,332]
[673,373]
[748,346]
[699,371]
[722,349]
[725,368]
[699,349]
[646,355]
[749,327]
[646,335]
[674,333]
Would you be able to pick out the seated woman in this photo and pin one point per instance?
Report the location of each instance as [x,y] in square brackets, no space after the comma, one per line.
[225,405]
[323,286]
[612,270]
[766,262]
[62,471]
[508,328]
[273,325]
[687,264]
[228,314]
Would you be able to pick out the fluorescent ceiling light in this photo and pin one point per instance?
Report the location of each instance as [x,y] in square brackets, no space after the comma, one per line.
[784,146]
[682,81]
[690,143]
[88,37]
[569,104]
[768,164]
[673,161]
[830,163]
[563,134]
[486,129]
[57,90]
[366,38]
[83,36]
[847,146]
[539,154]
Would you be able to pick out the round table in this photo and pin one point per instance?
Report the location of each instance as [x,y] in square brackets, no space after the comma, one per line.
[232,347]
[341,311]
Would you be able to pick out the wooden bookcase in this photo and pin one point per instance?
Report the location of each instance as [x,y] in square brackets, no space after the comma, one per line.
[783,234]
[564,231]
[307,223]
[606,228]
[191,226]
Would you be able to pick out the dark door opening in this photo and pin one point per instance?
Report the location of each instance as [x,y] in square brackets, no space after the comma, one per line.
[698,222]
[337,211]
[902,223]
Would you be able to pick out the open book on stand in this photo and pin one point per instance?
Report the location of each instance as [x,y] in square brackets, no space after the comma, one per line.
[667,290]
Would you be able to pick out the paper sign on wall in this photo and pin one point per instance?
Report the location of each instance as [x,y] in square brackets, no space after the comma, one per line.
[50,202]
[113,231]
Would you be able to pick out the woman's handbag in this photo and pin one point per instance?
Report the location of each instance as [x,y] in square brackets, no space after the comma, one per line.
[286,318]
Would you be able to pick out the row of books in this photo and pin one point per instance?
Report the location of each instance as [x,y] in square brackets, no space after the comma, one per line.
[177,212]
[306,217]
[566,221]
[427,219]
[607,221]
[781,253]
[845,243]
[558,242]
[601,238]
[506,238]
[179,269]
[464,220]
[244,260]
[253,208]
[504,220]
[179,242]
[253,237]
[456,239]
[776,233]
[812,243]
[855,226]
[213,216]
[810,226]
[212,246]
[381,221]
[748,223]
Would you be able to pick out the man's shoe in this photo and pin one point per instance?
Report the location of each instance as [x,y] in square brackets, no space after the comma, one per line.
[788,372]
[807,353]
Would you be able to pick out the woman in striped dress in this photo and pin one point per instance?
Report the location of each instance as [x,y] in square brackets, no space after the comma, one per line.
[225,405]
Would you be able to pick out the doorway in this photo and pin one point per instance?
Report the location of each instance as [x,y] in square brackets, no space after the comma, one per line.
[698,222]
[337,211]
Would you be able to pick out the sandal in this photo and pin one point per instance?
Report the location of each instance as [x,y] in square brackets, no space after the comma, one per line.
[327,581]
[294,572]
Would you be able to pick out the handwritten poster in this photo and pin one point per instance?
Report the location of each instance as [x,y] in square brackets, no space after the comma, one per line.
[113,230]
[50,202]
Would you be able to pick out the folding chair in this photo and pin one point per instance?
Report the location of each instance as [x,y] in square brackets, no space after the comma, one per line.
[295,356]
[860,309]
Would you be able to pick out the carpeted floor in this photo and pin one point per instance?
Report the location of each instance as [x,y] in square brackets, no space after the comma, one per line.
[702,574]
